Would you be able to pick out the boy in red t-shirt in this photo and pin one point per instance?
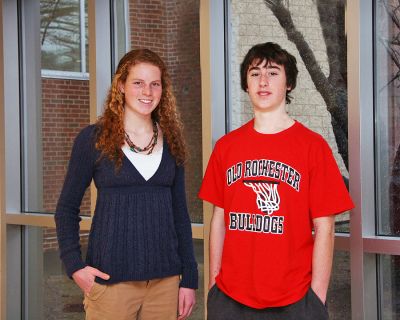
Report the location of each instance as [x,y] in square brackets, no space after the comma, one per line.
[272,181]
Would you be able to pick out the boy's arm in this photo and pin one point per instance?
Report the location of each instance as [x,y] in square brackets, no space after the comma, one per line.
[324,228]
[217,236]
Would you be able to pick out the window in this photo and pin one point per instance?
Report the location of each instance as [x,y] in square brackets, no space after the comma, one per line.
[319,45]
[387,115]
[387,149]
[64,37]
[48,100]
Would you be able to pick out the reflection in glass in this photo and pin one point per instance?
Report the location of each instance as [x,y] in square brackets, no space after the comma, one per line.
[57,109]
[318,41]
[61,35]
[339,295]
[198,311]
[50,293]
[387,116]
[389,284]
[65,111]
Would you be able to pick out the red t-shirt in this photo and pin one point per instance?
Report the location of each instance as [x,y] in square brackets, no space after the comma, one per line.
[271,186]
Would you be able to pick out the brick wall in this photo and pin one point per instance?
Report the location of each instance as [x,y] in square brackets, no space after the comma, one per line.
[171,28]
[149,25]
[184,65]
[65,111]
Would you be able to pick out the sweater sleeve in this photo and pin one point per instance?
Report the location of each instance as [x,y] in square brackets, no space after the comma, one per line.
[184,231]
[77,179]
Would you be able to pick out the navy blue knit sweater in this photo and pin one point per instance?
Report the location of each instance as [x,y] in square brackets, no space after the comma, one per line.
[141,229]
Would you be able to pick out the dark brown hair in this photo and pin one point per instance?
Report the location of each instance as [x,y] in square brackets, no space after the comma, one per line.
[266,53]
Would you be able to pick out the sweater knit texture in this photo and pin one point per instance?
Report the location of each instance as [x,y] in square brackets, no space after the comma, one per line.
[140,230]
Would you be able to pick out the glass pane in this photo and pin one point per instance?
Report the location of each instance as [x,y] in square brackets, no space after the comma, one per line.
[86,37]
[389,287]
[320,98]
[60,35]
[387,116]
[198,311]
[178,43]
[339,294]
[54,111]
[50,293]
[64,112]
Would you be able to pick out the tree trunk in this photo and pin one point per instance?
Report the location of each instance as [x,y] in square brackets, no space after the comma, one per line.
[333,89]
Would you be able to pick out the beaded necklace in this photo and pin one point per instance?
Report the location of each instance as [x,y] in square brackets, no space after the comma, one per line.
[149,147]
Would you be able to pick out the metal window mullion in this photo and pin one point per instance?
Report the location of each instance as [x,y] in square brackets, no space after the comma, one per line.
[361,156]
[228,65]
[83,38]
[10,300]
[99,54]
[217,45]
[127,26]
[382,245]
[55,74]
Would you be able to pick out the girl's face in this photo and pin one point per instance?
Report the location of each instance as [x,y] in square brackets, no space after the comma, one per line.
[142,89]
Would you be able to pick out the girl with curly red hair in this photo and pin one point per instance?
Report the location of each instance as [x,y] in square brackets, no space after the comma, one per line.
[140,262]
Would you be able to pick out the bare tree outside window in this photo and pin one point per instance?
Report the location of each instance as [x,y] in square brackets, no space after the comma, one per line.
[60,32]
[387,145]
[388,37]
[333,88]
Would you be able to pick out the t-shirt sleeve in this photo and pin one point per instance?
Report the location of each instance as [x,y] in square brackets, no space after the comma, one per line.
[328,193]
[212,187]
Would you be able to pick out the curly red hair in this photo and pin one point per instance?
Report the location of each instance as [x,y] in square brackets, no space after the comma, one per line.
[111,134]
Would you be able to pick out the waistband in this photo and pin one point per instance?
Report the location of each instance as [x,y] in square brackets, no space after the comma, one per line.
[132,189]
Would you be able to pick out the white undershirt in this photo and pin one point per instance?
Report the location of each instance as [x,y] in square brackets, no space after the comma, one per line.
[146,164]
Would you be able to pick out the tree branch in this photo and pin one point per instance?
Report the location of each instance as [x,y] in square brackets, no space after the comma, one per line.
[50,21]
[334,94]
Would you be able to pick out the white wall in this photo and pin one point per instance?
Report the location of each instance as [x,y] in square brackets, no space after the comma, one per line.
[251,23]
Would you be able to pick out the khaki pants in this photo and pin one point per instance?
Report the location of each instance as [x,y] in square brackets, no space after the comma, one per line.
[155,299]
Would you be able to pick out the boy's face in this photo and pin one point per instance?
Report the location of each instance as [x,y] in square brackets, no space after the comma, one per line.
[266,86]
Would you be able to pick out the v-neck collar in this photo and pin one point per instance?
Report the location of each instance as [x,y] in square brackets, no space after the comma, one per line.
[159,166]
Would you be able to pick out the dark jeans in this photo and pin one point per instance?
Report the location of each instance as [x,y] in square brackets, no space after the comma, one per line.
[222,307]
